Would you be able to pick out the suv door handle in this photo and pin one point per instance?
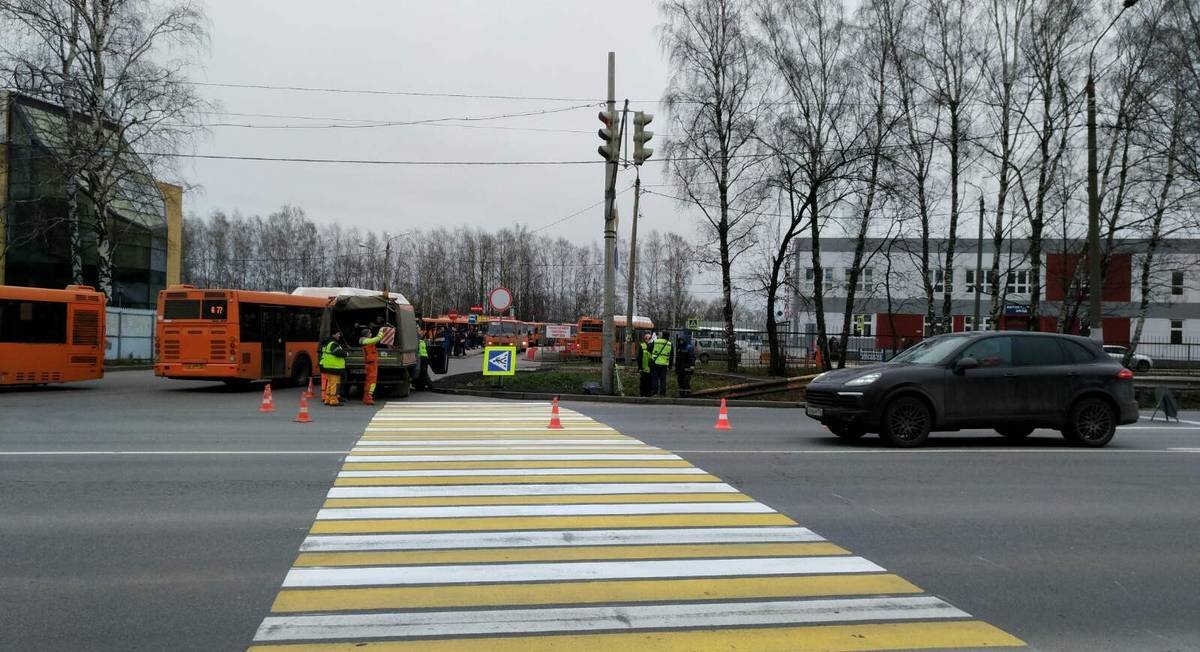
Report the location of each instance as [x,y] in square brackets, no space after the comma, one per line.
[1010,374]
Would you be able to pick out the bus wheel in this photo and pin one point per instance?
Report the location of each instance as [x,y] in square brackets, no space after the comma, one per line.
[301,372]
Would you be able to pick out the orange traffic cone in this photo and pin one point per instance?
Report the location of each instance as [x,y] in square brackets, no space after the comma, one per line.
[268,403]
[723,418]
[555,424]
[309,393]
[303,417]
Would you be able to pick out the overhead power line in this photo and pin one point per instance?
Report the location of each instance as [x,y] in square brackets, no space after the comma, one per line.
[365,124]
[361,91]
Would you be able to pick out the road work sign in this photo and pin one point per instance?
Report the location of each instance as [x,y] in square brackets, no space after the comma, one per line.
[499,360]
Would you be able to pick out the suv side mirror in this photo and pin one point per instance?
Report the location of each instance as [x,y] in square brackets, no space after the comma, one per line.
[964,364]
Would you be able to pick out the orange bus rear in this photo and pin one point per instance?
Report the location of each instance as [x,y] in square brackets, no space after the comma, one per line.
[236,335]
[50,336]
[590,335]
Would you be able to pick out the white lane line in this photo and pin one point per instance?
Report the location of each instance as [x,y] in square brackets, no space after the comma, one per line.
[647,457]
[19,453]
[1162,427]
[1184,450]
[579,489]
[488,419]
[534,539]
[596,470]
[923,451]
[470,511]
[529,449]
[623,618]
[499,442]
[571,571]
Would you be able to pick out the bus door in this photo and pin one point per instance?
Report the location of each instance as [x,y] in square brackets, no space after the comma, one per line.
[274,342]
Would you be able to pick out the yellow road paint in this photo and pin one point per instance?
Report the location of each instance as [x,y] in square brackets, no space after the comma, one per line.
[517,594]
[511,464]
[374,435]
[839,638]
[518,479]
[582,499]
[568,553]
[628,450]
[492,524]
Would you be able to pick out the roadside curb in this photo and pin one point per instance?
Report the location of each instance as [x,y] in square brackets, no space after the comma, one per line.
[628,400]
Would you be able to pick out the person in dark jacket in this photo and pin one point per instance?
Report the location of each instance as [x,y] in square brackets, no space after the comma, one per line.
[685,361]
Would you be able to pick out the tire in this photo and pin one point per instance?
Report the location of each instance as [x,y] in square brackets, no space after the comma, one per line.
[1092,423]
[703,358]
[301,372]
[906,422]
[846,432]
[1015,433]
[403,388]
[1142,366]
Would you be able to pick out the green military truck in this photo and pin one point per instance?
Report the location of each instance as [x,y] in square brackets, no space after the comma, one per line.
[349,311]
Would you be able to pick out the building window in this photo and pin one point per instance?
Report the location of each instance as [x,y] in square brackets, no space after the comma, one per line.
[969,323]
[827,272]
[865,279]
[942,280]
[862,325]
[1018,282]
[1177,283]
[985,276]
[1176,331]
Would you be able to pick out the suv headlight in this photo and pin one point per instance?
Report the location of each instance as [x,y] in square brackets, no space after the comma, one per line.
[865,379]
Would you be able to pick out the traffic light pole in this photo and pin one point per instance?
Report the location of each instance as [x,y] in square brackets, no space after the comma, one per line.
[610,239]
[630,345]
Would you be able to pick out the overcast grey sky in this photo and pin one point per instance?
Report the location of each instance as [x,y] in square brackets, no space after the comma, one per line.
[544,48]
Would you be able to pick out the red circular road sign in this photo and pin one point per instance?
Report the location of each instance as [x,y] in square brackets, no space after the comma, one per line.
[500,299]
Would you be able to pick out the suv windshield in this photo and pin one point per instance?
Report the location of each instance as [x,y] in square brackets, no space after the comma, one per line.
[931,351]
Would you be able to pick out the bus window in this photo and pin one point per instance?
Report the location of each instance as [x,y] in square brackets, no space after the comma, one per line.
[181,309]
[251,322]
[34,322]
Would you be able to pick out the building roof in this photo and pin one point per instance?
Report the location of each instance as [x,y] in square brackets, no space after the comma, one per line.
[966,245]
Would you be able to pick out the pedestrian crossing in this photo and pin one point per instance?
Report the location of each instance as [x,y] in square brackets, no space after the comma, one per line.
[470,526]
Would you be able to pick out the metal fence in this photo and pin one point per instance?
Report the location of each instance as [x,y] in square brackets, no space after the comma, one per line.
[800,350]
[129,334]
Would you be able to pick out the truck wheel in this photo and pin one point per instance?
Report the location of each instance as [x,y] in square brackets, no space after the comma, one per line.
[301,372]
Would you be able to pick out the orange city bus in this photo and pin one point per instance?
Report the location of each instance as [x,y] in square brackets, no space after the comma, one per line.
[508,332]
[236,336]
[589,337]
[50,336]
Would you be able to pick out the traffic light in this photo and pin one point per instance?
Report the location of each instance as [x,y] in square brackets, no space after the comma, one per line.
[641,137]
[610,151]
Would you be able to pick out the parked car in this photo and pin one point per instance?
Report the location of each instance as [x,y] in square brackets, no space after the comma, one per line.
[1012,382]
[714,349]
[1138,363]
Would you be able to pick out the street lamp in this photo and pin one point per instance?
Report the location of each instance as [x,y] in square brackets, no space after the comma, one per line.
[387,256]
[1095,280]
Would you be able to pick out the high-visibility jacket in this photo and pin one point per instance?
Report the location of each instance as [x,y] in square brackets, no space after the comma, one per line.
[370,350]
[422,350]
[644,357]
[333,355]
[661,352]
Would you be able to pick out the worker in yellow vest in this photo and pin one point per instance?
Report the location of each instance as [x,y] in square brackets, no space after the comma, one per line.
[660,360]
[645,381]
[333,366]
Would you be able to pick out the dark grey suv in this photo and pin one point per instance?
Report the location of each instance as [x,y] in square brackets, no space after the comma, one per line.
[1011,381]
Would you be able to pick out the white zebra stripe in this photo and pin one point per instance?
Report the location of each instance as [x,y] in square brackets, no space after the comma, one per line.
[628,441]
[604,470]
[582,489]
[646,457]
[622,618]
[540,538]
[468,511]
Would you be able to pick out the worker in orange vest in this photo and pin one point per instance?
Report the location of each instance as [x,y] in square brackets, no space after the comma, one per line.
[370,364]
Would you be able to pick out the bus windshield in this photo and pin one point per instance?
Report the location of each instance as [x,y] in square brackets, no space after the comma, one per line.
[502,328]
[209,309]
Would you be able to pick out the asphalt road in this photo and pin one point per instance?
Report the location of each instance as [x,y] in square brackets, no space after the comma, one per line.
[145,514]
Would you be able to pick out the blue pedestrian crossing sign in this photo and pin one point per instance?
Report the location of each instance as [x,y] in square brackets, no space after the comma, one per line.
[472,318]
[499,361]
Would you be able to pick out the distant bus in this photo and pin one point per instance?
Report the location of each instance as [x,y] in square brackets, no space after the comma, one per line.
[236,336]
[589,336]
[50,336]
[508,332]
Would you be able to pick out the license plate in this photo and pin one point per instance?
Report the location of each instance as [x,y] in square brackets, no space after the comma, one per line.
[193,366]
[814,411]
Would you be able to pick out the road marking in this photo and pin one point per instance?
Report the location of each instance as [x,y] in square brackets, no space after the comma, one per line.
[15,453]
[576,619]
[568,553]
[1185,450]
[845,638]
[553,572]
[465,526]
[462,511]
[607,591]
[517,539]
[930,451]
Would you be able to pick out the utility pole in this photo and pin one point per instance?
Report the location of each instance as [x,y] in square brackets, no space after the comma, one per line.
[978,267]
[630,345]
[610,229]
[1095,270]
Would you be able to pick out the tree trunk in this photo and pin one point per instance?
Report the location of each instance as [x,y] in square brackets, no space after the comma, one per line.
[818,283]
[952,238]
